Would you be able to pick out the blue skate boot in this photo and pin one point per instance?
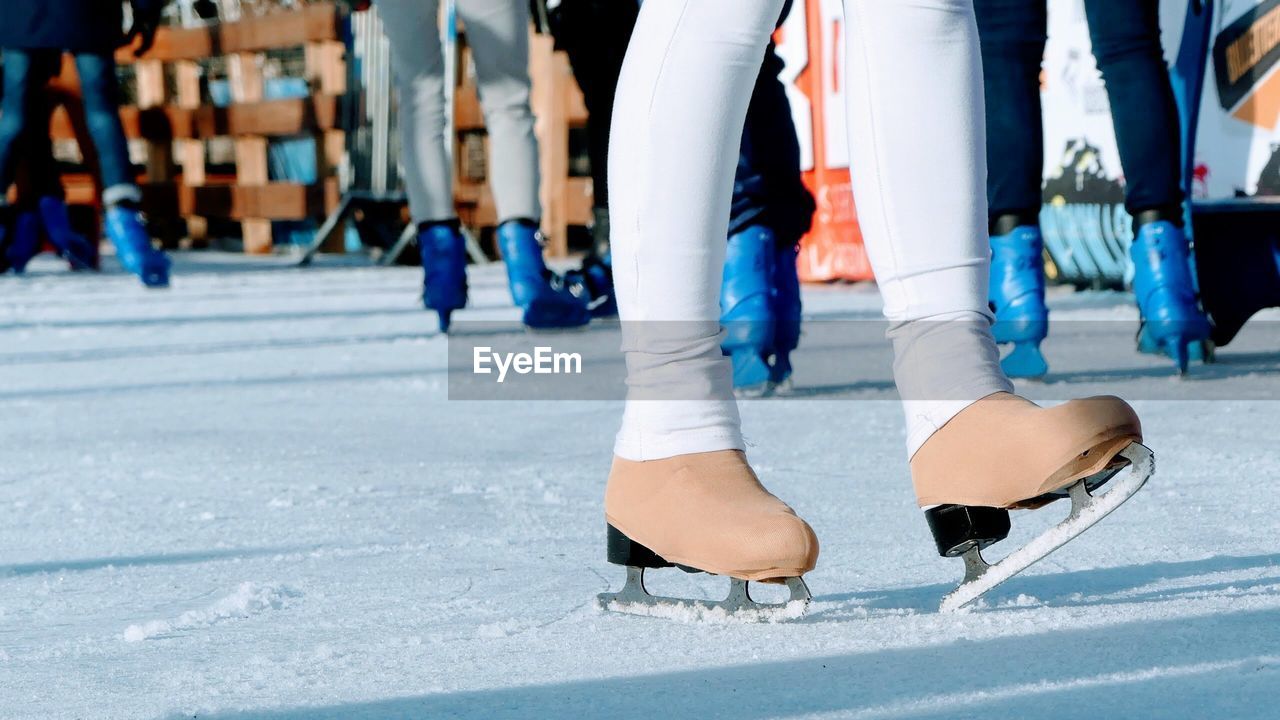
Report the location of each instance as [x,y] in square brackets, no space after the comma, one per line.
[787,313]
[594,281]
[1172,321]
[71,245]
[24,241]
[546,299]
[444,269]
[746,309]
[133,246]
[1017,296]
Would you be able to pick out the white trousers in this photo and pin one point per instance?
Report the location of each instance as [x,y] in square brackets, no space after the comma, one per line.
[916,133]
[498,32]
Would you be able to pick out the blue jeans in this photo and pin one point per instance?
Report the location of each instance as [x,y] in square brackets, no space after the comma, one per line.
[1126,42]
[25,109]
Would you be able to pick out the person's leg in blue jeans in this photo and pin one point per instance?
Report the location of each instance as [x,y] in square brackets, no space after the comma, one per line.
[1126,43]
[1012,34]
[26,72]
[120,195]
[45,206]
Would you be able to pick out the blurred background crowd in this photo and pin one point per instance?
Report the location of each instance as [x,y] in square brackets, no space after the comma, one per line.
[1130,145]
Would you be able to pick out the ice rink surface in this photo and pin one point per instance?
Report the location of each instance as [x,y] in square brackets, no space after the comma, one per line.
[248,497]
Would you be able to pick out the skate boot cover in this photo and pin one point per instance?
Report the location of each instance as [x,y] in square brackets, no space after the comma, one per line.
[746,308]
[1017,296]
[709,512]
[546,304]
[1165,291]
[1004,451]
[444,270]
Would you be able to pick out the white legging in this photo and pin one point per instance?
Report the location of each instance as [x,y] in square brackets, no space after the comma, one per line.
[498,33]
[916,133]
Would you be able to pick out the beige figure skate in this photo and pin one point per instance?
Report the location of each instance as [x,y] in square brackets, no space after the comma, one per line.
[704,512]
[1005,452]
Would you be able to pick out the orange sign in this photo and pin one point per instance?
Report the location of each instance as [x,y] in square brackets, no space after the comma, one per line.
[811,43]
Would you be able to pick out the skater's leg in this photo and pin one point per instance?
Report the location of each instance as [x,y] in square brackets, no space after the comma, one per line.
[25,75]
[1013,34]
[1126,41]
[772,210]
[26,72]
[412,28]
[681,104]
[51,206]
[918,175]
[102,116]
[498,31]
[680,485]
[120,194]
[919,170]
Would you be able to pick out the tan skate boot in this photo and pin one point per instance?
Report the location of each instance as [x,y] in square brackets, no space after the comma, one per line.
[1005,452]
[703,512]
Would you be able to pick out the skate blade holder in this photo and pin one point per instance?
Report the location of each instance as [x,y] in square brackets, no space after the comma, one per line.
[635,599]
[963,531]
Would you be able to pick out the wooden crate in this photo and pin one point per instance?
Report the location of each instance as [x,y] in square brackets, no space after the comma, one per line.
[173,117]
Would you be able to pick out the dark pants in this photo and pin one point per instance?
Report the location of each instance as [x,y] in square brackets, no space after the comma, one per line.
[594,34]
[24,114]
[767,190]
[1126,42]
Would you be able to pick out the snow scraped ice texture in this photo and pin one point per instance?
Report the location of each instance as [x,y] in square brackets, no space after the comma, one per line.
[248,599]
[410,557]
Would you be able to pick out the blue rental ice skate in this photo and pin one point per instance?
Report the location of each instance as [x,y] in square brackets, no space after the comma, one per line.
[546,299]
[594,281]
[71,245]
[747,308]
[23,242]
[787,314]
[444,270]
[1017,296]
[1172,321]
[133,247]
